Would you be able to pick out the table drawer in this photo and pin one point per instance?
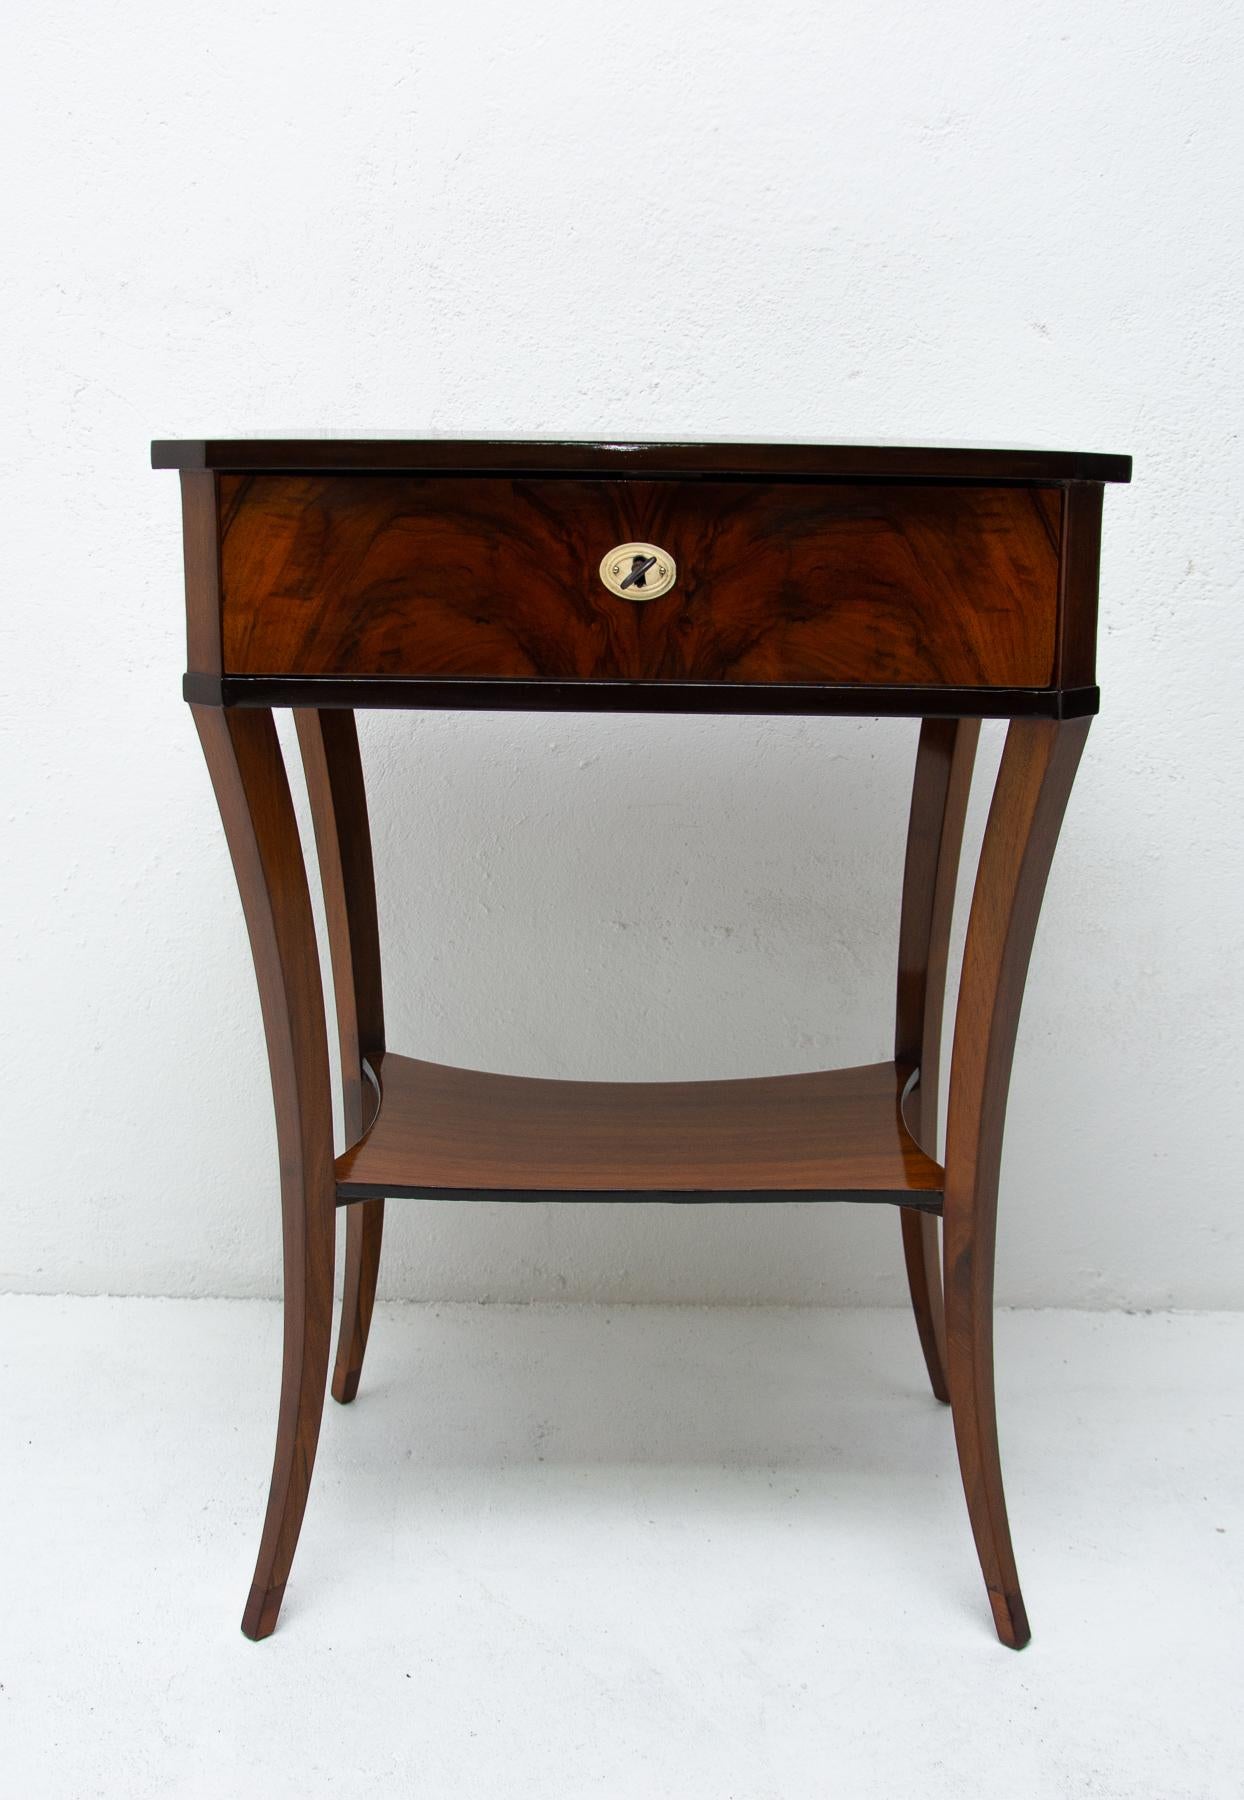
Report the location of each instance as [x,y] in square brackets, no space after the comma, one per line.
[487,577]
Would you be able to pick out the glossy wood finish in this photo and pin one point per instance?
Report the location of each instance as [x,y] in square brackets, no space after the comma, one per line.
[939,800]
[248,774]
[334,773]
[922,1252]
[1030,796]
[200,538]
[948,585]
[1079,561]
[447,1133]
[790,699]
[473,578]
[628,457]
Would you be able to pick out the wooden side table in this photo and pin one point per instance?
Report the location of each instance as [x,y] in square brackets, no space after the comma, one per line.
[943,585]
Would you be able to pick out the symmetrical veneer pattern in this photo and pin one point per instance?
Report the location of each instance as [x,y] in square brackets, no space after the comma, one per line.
[370,576]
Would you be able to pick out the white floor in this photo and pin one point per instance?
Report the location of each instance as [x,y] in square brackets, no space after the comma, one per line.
[627,1552]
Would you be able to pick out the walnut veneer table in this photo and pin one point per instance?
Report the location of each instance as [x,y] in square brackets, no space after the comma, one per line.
[942,585]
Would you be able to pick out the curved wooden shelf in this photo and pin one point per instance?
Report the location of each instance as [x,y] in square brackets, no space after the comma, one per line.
[445,1133]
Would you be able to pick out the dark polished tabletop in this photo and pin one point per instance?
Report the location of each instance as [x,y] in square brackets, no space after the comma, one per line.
[622,456]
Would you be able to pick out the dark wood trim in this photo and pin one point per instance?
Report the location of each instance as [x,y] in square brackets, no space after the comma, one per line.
[650,458]
[1079,564]
[478,695]
[927,1202]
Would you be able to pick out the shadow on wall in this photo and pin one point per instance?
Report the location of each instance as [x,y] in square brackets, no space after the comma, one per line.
[637,898]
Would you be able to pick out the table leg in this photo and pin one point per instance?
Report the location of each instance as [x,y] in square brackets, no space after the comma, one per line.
[939,799]
[248,773]
[364,1232]
[328,741]
[1034,782]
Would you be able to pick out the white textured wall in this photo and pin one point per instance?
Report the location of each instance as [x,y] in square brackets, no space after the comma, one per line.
[959,223]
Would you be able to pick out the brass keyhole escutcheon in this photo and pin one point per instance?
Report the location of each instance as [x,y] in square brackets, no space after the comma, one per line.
[638,571]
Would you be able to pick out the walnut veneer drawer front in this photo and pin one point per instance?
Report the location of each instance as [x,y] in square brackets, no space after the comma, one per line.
[393,575]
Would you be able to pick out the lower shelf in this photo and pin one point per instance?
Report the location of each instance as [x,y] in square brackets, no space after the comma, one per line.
[458,1134]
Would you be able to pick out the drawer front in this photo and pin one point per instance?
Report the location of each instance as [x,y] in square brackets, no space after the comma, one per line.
[391,575]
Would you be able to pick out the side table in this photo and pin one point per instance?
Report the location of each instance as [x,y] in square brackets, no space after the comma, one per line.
[943,585]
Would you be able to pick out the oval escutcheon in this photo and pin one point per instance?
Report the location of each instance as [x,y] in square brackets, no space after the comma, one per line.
[638,571]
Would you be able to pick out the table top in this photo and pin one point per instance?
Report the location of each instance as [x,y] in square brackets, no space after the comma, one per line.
[647,457]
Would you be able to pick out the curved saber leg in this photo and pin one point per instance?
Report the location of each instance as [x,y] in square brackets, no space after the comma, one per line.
[939,800]
[248,774]
[329,744]
[1034,783]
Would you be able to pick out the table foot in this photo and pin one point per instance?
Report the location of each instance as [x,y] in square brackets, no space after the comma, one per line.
[262,1610]
[1010,1619]
[922,1253]
[364,1232]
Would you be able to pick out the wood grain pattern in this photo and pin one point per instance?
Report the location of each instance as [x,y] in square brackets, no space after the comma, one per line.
[1030,796]
[200,538]
[939,801]
[443,1130]
[383,575]
[812,579]
[248,774]
[1078,581]
[329,745]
